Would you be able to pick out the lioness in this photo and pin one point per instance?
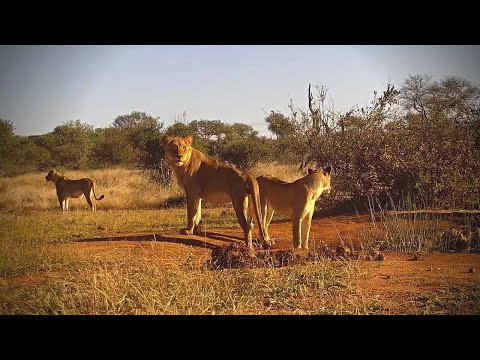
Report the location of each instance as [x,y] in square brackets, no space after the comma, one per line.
[296,199]
[206,178]
[68,188]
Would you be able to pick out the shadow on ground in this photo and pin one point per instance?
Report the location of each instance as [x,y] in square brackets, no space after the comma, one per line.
[210,240]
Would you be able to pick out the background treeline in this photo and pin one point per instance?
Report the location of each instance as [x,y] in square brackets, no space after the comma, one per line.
[419,143]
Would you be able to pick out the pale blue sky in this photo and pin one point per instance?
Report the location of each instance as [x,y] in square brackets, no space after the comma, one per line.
[43,86]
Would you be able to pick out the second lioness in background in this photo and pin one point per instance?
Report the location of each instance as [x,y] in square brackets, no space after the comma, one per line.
[295,199]
[69,188]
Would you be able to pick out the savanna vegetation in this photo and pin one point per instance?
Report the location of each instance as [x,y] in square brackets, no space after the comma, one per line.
[413,147]
[419,143]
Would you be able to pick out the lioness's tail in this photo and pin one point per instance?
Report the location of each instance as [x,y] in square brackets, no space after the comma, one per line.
[93,189]
[253,190]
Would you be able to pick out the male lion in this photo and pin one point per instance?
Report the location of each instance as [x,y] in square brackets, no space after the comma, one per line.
[67,188]
[296,199]
[206,178]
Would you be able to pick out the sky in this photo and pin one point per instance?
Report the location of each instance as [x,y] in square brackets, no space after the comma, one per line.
[42,86]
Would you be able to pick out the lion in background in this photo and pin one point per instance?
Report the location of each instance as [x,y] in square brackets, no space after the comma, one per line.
[205,178]
[68,188]
[295,199]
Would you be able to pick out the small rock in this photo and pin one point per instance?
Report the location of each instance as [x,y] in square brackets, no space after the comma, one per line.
[343,251]
[472,270]
[340,250]
[379,257]
[368,257]
[100,227]
[417,257]
[3,282]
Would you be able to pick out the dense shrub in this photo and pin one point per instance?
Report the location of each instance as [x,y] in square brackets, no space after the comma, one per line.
[419,142]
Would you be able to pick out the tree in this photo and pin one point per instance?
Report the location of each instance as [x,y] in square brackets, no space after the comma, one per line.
[31,156]
[280,125]
[140,128]
[6,130]
[451,96]
[112,148]
[239,131]
[136,119]
[6,139]
[71,144]
[19,154]
[244,153]
[207,130]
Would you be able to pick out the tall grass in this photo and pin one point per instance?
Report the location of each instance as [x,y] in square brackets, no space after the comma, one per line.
[30,217]
[123,189]
[31,239]
[43,275]
[132,286]
[405,228]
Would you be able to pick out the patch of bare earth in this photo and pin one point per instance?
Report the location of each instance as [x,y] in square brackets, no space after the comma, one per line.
[399,280]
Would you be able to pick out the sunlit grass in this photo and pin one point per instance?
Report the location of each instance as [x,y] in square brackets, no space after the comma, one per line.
[131,286]
[123,189]
[36,247]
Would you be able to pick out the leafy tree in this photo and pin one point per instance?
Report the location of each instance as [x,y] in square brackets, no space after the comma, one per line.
[179,129]
[239,131]
[421,141]
[112,148]
[244,153]
[140,128]
[71,144]
[19,154]
[6,141]
[280,125]
[6,130]
[207,130]
[31,156]
[453,97]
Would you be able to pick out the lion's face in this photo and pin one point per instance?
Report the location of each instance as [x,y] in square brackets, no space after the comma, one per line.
[52,175]
[178,150]
[325,174]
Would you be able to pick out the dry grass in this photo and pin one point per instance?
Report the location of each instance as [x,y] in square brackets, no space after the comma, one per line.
[123,189]
[30,240]
[284,172]
[408,230]
[39,275]
[132,286]
[58,281]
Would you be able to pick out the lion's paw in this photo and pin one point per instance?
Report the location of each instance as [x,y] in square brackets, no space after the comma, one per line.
[185,232]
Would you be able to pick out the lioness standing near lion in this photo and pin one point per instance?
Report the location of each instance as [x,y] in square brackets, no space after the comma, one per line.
[68,188]
[296,199]
[205,178]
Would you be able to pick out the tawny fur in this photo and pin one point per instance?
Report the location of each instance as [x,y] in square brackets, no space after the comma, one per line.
[205,178]
[296,200]
[68,188]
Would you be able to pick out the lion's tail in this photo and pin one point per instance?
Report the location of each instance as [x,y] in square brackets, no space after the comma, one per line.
[93,189]
[253,190]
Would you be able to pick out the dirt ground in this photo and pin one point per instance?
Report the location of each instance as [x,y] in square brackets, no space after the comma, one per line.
[400,277]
